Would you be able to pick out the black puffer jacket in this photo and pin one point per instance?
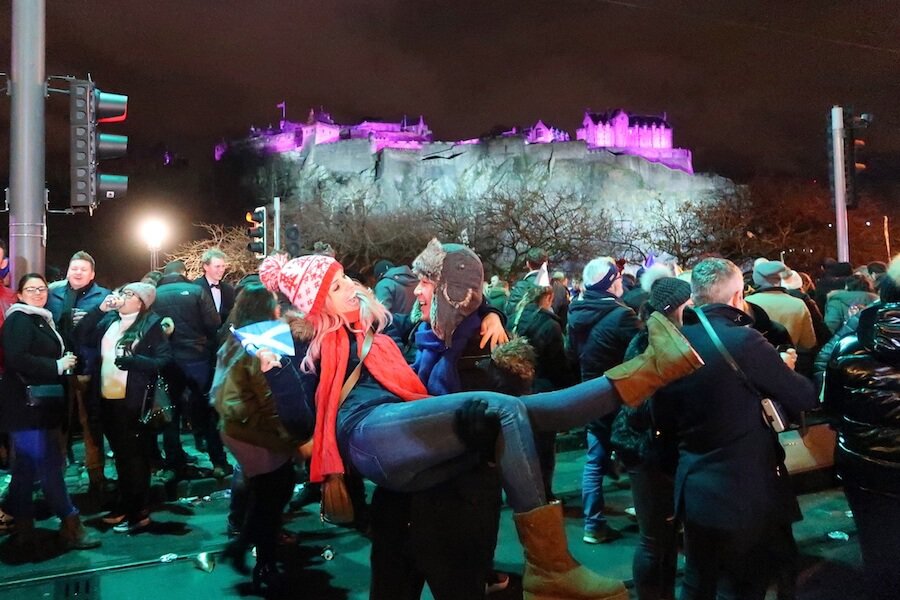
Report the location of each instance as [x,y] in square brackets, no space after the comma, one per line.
[599,331]
[545,334]
[862,388]
[195,316]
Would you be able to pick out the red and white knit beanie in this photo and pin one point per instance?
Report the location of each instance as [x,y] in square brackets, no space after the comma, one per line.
[304,280]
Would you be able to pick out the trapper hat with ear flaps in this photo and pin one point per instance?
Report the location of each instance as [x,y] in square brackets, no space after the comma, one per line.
[457,274]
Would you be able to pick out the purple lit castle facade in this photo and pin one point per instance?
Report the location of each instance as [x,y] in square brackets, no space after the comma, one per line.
[615,131]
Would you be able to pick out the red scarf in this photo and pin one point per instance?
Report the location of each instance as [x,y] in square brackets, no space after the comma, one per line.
[384,362]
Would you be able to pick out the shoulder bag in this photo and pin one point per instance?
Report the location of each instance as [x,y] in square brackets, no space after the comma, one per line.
[156,410]
[336,505]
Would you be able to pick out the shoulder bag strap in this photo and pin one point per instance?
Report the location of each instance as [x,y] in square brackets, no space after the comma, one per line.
[354,376]
[717,342]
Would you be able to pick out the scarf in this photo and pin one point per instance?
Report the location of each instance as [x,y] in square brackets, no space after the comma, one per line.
[384,363]
[435,364]
[41,312]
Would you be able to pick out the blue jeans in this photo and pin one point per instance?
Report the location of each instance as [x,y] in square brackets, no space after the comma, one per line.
[592,483]
[411,446]
[38,455]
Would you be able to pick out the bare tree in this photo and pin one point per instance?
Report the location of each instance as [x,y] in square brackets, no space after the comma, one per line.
[230,240]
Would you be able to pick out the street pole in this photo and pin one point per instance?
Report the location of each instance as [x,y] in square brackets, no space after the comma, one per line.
[276,230]
[840,183]
[27,227]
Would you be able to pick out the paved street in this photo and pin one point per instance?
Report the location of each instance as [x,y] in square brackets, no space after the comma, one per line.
[129,566]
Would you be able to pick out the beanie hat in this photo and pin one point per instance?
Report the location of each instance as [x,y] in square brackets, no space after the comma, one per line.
[145,291]
[668,293]
[768,273]
[457,274]
[382,267]
[304,280]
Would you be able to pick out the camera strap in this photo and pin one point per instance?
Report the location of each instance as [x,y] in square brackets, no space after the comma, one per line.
[717,342]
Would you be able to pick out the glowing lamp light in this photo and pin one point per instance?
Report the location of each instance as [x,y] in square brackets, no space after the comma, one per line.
[154,232]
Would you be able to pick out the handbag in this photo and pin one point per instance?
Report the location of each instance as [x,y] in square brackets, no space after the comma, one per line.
[45,396]
[336,505]
[156,410]
[771,412]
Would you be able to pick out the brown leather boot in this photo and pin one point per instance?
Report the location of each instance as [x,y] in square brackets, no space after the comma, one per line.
[550,571]
[668,357]
[74,536]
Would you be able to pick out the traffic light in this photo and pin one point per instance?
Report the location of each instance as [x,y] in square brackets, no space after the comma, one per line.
[854,145]
[88,107]
[292,235]
[257,233]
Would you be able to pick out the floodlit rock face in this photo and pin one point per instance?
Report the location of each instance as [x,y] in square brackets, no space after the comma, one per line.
[626,185]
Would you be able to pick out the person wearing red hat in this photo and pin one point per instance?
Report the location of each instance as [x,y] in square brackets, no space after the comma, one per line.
[393,433]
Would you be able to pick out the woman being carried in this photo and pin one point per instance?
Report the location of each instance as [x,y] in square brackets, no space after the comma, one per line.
[397,436]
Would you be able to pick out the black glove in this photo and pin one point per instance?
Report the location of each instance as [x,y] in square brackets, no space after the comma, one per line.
[132,363]
[478,428]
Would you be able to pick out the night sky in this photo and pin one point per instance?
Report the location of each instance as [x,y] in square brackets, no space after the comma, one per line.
[747,85]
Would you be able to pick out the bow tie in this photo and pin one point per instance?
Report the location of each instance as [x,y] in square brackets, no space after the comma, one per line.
[214,285]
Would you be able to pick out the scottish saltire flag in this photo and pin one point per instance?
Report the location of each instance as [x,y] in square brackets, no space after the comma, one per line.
[272,335]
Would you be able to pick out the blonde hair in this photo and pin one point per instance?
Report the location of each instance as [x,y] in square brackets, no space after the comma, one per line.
[372,314]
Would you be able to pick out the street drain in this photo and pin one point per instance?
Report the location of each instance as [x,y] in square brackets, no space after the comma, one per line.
[83,587]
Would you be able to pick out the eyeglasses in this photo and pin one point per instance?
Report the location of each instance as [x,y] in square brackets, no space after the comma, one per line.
[129,294]
[35,290]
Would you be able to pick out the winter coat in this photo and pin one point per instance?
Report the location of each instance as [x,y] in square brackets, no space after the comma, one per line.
[496,297]
[518,292]
[790,312]
[31,348]
[774,332]
[195,316]
[824,355]
[395,289]
[152,353]
[730,473]
[244,401]
[837,307]
[862,388]
[561,301]
[599,331]
[87,299]
[544,332]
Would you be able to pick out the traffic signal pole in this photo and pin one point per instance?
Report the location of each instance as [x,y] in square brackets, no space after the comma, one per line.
[840,183]
[27,227]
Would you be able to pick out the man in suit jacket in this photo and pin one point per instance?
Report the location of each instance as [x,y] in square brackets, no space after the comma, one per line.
[214,263]
[731,487]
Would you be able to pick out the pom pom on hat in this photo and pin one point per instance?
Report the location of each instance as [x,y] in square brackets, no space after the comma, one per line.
[668,293]
[304,280]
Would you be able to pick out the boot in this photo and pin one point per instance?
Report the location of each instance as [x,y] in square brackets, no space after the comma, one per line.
[668,357]
[74,536]
[24,539]
[550,571]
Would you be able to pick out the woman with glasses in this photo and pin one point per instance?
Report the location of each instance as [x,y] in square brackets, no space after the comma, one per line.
[33,410]
[133,348]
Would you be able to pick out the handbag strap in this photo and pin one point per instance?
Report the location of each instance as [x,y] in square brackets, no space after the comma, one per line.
[354,376]
[717,342]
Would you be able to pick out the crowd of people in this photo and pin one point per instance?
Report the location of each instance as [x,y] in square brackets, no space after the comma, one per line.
[446,389]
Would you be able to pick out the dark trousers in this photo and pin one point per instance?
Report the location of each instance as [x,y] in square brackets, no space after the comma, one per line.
[656,555]
[877,520]
[268,494]
[195,377]
[132,446]
[729,565]
[444,536]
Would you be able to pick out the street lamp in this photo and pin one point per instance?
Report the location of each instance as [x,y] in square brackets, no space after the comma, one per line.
[154,232]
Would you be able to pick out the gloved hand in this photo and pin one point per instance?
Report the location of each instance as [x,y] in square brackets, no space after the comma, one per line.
[478,428]
[133,362]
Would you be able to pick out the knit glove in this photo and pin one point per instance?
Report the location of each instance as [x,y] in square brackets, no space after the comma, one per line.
[478,428]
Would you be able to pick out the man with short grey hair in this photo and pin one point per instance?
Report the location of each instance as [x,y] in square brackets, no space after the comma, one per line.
[731,487]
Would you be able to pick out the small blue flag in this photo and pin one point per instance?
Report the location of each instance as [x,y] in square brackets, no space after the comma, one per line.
[271,335]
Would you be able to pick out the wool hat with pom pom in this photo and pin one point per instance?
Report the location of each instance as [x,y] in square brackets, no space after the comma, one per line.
[304,280]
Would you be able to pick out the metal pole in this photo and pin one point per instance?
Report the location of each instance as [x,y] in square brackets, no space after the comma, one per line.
[887,238]
[840,184]
[277,224]
[26,158]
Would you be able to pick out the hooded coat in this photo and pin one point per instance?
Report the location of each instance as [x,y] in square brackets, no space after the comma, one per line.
[599,330]
[395,290]
[862,387]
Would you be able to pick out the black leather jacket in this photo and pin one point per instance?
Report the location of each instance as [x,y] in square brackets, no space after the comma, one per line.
[862,389]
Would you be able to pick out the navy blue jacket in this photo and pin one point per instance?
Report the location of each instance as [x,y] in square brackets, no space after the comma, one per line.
[730,473]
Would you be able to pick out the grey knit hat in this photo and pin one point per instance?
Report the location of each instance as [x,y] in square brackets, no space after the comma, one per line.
[145,291]
[458,275]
